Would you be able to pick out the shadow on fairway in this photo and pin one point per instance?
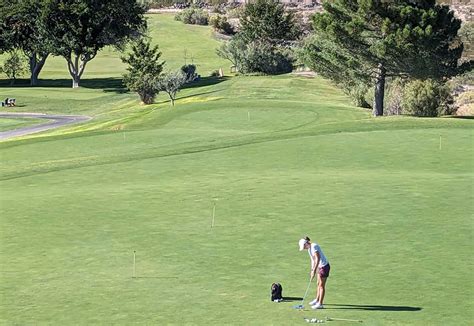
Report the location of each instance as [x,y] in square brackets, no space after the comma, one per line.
[109,84]
[206,81]
[289,299]
[371,307]
[158,277]
[469,117]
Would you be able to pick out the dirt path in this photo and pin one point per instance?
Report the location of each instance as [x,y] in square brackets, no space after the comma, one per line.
[56,121]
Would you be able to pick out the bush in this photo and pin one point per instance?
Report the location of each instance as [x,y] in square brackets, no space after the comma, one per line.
[235,12]
[194,16]
[220,24]
[394,97]
[357,93]
[256,57]
[427,98]
[190,73]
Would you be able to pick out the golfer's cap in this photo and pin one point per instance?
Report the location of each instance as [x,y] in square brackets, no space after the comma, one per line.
[302,242]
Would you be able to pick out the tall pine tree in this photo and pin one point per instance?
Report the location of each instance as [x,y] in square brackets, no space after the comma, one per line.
[373,39]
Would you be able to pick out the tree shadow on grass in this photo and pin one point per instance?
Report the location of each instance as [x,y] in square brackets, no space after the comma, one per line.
[206,81]
[110,84]
[469,117]
[371,307]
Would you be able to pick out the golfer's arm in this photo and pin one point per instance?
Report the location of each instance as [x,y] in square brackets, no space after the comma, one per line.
[316,262]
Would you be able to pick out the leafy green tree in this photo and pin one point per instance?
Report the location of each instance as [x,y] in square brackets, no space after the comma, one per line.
[267,20]
[80,28]
[22,27]
[381,39]
[14,66]
[144,68]
[171,83]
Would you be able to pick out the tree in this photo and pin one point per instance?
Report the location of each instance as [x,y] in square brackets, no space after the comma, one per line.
[256,56]
[409,38]
[22,27]
[13,66]
[171,83]
[337,64]
[80,28]
[258,47]
[266,20]
[144,69]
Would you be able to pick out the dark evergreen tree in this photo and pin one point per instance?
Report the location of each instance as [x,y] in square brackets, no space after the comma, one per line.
[267,20]
[144,69]
[364,39]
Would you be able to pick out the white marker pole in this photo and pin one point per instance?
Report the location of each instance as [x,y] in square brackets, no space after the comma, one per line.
[248,115]
[439,142]
[213,215]
[134,268]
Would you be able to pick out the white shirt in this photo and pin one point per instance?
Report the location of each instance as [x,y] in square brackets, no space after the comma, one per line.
[322,259]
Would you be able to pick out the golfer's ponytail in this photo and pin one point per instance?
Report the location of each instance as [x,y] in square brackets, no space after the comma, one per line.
[307,238]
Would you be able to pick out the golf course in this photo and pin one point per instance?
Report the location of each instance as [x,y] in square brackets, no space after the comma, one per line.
[186,214]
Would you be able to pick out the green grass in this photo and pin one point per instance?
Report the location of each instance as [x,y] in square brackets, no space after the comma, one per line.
[9,124]
[285,156]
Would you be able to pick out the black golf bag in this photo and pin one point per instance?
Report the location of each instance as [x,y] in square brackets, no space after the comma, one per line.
[277,292]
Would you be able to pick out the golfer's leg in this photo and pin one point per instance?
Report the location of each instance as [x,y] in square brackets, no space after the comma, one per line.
[318,293]
[321,288]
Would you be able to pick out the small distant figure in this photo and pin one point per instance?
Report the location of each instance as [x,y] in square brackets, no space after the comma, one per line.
[9,102]
[221,73]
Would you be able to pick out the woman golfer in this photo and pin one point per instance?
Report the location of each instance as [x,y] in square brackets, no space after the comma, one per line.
[319,266]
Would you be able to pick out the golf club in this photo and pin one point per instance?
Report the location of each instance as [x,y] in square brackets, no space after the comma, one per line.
[343,319]
[301,306]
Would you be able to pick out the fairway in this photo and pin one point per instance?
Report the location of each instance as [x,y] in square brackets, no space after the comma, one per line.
[390,201]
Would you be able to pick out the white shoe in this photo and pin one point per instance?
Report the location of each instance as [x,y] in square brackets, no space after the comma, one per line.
[317,306]
[313,302]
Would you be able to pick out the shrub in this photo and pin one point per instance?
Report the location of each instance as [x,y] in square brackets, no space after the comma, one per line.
[235,12]
[256,57]
[220,24]
[427,98]
[194,16]
[394,97]
[357,91]
[190,72]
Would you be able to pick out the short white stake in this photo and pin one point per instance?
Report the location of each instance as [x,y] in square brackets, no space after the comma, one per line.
[439,142]
[213,215]
[134,268]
